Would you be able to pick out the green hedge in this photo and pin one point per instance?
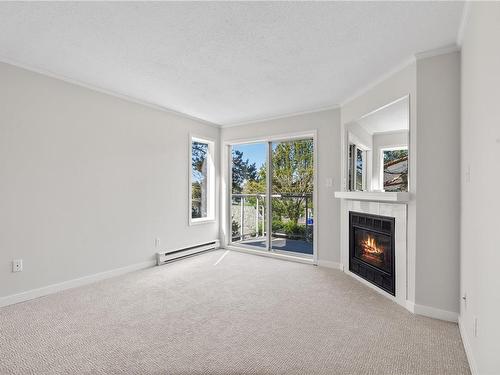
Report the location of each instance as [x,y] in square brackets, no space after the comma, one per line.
[289,228]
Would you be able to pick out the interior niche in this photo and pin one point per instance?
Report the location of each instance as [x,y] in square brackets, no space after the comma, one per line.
[378,149]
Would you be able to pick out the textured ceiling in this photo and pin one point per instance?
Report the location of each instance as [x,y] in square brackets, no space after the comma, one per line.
[225,62]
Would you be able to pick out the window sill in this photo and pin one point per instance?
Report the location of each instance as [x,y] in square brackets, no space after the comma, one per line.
[377,196]
[201,221]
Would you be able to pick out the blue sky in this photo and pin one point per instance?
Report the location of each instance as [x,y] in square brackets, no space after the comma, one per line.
[255,152]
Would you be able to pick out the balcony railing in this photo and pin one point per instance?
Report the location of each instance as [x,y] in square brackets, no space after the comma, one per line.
[292,221]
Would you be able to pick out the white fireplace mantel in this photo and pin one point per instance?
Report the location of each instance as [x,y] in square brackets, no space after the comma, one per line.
[374,196]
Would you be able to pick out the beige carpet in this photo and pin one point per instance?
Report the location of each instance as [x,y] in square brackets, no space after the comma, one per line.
[245,315]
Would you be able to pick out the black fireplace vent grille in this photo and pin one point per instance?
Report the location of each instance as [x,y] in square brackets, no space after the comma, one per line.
[382,276]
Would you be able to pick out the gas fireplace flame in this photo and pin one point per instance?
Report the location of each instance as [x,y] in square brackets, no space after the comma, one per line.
[370,246]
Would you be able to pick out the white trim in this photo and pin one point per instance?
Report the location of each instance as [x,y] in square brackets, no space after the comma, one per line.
[348,137]
[282,116]
[375,196]
[265,253]
[410,306]
[53,288]
[201,220]
[467,347]
[101,90]
[463,23]
[330,264]
[437,52]
[404,97]
[404,303]
[390,132]
[315,196]
[433,312]
[268,139]
[269,194]
[397,69]
[378,81]
[273,138]
[211,183]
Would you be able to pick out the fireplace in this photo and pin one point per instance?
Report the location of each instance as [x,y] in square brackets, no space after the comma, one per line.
[371,249]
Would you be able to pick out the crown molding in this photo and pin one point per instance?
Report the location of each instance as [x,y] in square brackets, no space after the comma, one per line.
[463,23]
[384,107]
[437,52]
[101,90]
[378,80]
[418,56]
[281,116]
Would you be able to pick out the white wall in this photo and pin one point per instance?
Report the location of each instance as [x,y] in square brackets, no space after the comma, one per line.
[358,135]
[327,124]
[438,181]
[88,181]
[391,88]
[480,203]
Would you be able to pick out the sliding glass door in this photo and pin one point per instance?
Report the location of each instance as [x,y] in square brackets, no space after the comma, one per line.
[248,195]
[292,187]
[271,202]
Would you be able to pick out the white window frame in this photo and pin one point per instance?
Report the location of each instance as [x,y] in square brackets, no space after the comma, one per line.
[364,150]
[210,183]
[226,210]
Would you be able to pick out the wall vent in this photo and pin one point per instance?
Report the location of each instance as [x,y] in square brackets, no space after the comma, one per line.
[170,255]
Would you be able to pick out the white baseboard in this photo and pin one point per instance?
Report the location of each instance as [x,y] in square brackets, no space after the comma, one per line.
[410,306]
[330,264]
[432,312]
[49,289]
[467,347]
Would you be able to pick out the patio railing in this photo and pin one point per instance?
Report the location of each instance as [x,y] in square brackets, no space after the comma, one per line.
[248,216]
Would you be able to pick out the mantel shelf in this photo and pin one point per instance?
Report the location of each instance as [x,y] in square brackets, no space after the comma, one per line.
[376,196]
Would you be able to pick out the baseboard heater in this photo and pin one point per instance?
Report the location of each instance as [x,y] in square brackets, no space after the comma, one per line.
[167,256]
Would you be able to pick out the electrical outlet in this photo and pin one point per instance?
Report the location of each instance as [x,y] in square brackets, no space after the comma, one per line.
[17,265]
[329,182]
[157,242]
[475,327]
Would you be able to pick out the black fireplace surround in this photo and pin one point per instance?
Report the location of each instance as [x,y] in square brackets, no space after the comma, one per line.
[371,249]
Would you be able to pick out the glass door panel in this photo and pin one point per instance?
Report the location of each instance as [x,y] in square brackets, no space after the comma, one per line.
[292,186]
[248,195]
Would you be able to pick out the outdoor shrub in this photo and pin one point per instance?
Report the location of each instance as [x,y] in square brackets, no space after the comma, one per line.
[295,229]
[277,226]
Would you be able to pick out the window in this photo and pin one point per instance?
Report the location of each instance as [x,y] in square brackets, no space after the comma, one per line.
[202,197]
[395,170]
[357,168]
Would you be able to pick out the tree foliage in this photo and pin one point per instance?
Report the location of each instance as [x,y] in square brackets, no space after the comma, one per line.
[292,178]
[242,172]
[199,153]
[395,155]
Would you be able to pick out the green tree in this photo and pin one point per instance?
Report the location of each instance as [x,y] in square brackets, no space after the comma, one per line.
[242,171]
[199,154]
[293,175]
